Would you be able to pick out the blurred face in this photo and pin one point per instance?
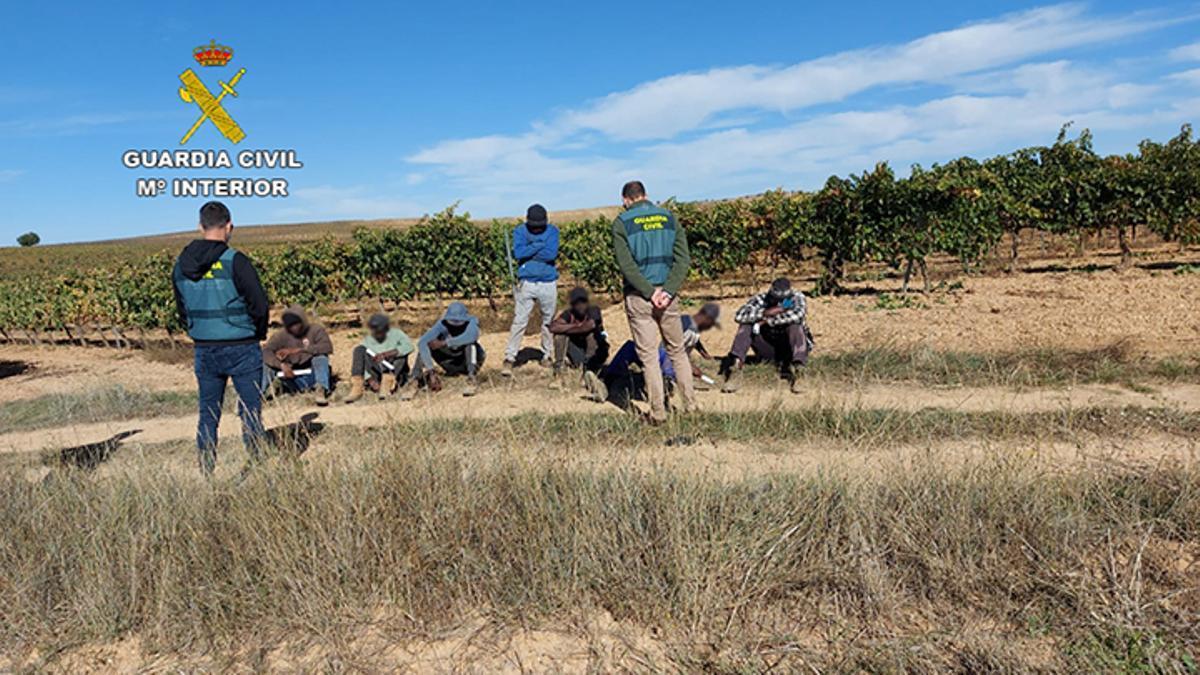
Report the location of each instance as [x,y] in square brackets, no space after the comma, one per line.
[580,307]
[454,328]
[380,334]
[296,329]
[703,322]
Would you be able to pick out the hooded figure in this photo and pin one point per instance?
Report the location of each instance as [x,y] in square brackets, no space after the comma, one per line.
[451,343]
[296,358]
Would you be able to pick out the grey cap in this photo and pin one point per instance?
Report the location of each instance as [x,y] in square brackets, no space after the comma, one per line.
[378,321]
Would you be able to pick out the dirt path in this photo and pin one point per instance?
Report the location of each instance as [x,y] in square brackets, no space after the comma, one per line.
[500,400]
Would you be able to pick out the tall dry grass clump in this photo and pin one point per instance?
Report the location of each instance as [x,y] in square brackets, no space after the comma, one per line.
[994,566]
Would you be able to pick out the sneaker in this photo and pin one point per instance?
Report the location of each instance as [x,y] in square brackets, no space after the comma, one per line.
[507,370]
[321,397]
[472,386]
[597,390]
[733,380]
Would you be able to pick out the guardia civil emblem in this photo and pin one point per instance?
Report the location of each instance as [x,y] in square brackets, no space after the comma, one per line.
[194,91]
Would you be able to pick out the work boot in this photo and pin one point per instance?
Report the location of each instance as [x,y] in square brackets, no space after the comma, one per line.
[733,379]
[472,386]
[506,370]
[794,379]
[597,390]
[320,396]
[356,389]
[387,384]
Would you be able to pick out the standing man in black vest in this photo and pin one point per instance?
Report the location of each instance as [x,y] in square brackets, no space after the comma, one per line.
[652,252]
[222,304]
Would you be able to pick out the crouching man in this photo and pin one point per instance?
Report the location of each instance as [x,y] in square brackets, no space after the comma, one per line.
[296,358]
[453,344]
[380,362]
[773,324]
[579,337]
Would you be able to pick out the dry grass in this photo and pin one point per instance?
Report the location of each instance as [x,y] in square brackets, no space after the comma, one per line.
[100,405]
[991,566]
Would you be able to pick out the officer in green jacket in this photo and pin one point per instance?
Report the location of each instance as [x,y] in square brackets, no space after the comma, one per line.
[652,253]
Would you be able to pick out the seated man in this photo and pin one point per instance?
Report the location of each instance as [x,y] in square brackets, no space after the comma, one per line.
[380,361]
[296,358]
[622,379]
[773,324]
[579,337]
[706,319]
[453,344]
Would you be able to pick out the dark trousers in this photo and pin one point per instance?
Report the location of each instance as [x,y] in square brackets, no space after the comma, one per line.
[782,345]
[364,365]
[462,361]
[214,366]
[589,353]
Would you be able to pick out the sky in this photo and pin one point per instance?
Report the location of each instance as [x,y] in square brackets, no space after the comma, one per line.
[400,109]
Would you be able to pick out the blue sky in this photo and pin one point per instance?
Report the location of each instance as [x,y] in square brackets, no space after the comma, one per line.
[398,109]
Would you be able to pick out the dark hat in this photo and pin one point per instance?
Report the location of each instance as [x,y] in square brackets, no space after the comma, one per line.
[536,215]
[291,318]
[378,322]
[577,294]
[457,314]
[713,311]
[781,288]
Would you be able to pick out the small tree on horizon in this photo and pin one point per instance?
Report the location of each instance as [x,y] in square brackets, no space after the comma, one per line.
[29,239]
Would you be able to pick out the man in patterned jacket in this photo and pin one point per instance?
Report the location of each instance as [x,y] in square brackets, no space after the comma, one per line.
[774,325]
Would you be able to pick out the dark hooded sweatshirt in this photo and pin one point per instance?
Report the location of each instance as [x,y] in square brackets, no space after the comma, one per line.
[195,260]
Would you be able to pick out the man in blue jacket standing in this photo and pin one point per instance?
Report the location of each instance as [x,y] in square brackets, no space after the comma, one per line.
[221,302]
[535,248]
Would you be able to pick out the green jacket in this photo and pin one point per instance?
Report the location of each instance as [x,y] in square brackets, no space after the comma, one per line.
[651,249]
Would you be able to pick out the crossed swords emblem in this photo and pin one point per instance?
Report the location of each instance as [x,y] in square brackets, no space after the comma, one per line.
[194,91]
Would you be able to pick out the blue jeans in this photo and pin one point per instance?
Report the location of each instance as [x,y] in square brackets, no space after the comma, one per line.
[215,364]
[318,376]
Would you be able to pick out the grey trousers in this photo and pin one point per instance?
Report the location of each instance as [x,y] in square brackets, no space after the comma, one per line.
[545,295]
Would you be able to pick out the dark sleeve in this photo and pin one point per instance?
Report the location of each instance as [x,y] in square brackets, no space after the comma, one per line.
[180,308]
[245,279]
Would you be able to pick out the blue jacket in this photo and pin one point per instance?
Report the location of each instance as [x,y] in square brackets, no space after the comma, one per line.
[439,331]
[536,254]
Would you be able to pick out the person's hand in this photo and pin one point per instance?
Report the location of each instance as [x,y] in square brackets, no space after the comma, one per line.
[773,311]
[435,345]
[660,299]
[377,358]
[286,353]
[288,373]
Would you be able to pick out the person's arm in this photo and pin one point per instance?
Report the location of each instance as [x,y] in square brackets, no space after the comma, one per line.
[577,327]
[319,343]
[524,248]
[423,351]
[249,286]
[703,351]
[180,308]
[751,312]
[679,268]
[270,347]
[561,323]
[469,336]
[548,250]
[628,266]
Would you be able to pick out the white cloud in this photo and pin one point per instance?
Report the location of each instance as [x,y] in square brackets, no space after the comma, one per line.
[1187,52]
[744,128]
[344,202]
[1188,76]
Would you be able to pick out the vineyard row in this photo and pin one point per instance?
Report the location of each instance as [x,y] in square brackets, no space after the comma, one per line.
[962,209]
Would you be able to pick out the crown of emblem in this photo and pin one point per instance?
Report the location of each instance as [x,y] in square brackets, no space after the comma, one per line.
[212,54]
